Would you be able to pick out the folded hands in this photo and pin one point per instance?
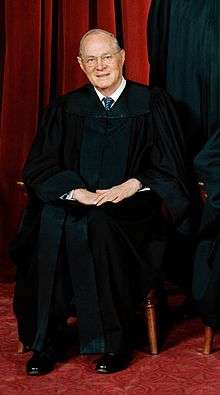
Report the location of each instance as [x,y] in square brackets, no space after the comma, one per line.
[114,195]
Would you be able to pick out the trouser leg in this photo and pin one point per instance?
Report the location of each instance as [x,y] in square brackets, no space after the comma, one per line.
[111,258]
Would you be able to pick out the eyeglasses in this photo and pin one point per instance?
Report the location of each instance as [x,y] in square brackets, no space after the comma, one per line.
[106,59]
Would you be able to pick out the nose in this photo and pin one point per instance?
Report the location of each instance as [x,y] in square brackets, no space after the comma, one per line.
[100,64]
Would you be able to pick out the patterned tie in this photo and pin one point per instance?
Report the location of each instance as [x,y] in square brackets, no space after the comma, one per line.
[108,101]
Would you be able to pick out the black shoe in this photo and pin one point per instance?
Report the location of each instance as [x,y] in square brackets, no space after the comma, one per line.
[40,363]
[113,362]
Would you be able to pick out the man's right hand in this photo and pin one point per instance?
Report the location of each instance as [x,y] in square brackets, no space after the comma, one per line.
[85,197]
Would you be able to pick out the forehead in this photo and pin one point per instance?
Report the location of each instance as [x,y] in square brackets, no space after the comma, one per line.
[97,44]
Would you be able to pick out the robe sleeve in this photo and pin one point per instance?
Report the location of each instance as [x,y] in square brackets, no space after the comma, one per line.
[207,165]
[44,174]
[167,174]
[157,38]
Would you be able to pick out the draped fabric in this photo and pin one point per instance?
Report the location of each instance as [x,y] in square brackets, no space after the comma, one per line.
[184,54]
[38,47]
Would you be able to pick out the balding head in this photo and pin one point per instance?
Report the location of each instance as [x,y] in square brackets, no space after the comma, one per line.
[92,32]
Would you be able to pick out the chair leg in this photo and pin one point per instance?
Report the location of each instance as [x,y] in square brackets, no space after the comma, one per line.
[151,321]
[208,340]
[21,348]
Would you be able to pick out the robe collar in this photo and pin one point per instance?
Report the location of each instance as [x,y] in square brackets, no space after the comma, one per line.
[133,101]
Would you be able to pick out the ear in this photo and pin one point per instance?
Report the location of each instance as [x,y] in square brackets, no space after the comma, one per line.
[123,56]
[81,63]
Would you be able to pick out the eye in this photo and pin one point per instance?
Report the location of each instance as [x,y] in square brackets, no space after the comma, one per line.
[107,58]
[90,61]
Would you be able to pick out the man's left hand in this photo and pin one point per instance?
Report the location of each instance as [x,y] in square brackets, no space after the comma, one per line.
[119,192]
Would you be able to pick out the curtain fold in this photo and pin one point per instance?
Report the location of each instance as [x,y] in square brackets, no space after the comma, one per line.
[106,15]
[19,104]
[134,22]
[38,48]
[46,45]
[73,22]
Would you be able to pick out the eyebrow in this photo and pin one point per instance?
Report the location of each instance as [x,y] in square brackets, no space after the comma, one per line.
[105,53]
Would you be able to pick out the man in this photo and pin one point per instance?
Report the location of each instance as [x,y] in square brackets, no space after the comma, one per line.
[184,55]
[93,239]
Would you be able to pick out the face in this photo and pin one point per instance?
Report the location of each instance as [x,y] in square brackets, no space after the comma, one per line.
[102,62]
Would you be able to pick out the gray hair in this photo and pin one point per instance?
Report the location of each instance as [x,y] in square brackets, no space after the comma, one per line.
[99,31]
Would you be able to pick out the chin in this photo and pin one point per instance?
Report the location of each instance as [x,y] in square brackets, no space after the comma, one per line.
[103,86]
[103,82]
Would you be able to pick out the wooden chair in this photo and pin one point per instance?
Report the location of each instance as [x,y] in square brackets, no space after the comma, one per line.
[151,321]
[150,307]
[20,347]
[209,335]
[209,332]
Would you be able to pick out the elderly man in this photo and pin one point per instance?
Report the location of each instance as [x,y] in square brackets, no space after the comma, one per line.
[92,239]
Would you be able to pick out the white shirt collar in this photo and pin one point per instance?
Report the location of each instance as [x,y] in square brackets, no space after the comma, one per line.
[115,95]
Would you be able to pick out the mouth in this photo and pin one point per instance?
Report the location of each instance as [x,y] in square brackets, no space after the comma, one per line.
[103,75]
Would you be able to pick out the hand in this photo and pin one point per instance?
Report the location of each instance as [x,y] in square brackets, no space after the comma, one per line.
[85,197]
[119,192]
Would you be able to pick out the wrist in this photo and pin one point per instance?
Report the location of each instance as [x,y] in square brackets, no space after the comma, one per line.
[78,190]
[137,183]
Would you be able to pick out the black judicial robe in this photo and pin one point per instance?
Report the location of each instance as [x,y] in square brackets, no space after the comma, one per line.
[113,253]
[206,282]
[184,55]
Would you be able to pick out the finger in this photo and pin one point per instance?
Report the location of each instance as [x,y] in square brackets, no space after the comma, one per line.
[100,198]
[104,199]
[107,193]
[108,198]
[118,199]
[102,190]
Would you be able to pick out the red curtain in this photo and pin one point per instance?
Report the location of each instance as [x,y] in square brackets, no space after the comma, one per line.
[38,48]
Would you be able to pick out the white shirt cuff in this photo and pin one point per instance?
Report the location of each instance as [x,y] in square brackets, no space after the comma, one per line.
[69,195]
[144,189]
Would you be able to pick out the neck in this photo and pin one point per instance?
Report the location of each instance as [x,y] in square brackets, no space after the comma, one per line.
[109,91]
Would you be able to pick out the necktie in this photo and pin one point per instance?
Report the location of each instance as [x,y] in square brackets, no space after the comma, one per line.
[108,101]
